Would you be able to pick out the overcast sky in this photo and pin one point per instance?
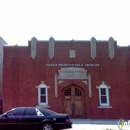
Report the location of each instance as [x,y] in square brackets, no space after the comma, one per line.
[20,20]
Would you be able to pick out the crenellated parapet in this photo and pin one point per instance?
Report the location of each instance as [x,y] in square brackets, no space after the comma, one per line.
[72,53]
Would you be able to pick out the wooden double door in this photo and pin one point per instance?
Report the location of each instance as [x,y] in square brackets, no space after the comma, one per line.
[73,102]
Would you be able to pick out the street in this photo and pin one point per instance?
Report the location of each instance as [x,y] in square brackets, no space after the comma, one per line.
[84,124]
[93,127]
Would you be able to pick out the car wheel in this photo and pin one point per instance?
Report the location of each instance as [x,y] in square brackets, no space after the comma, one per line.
[47,126]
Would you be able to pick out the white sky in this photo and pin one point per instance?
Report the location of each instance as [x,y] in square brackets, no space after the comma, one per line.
[20,20]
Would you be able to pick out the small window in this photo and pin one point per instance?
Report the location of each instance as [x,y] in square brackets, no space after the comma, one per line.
[104,95]
[39,113]
[67,92]
[78,92]
[72,53]
[43,94]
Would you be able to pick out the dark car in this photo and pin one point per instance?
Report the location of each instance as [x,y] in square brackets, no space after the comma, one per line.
[34,118]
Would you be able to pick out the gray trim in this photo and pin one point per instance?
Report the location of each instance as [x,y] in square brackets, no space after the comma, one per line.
[56,86]
[111,48]
[89,85]
[33,47]
[93,48]
[51,47]
[104,107]
[72,73]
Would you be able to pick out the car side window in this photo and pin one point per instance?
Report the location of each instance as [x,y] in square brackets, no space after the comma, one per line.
[39,113]
[16,112]
[30,112]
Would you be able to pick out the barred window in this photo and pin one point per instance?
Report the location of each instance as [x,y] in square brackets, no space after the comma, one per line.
[67,92]
[78,92]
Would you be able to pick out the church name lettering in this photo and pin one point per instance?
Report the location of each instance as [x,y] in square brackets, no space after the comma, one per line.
[70,65]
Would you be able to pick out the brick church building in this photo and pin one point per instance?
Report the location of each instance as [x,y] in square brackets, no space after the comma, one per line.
[86,79]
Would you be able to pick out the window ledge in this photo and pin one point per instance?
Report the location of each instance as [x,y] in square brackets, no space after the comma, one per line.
[104,107]
[46,106]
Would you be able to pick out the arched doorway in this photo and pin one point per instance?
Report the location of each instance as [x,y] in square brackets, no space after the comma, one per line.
[73,102]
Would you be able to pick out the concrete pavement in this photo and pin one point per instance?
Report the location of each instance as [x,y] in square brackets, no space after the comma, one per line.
[89,124]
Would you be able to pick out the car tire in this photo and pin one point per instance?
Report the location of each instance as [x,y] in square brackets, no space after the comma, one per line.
[47,126]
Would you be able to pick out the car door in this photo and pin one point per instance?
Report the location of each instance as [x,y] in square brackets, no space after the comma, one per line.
[11,119]
[31,119]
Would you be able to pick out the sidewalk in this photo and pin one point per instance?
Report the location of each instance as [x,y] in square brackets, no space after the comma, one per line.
[89,124]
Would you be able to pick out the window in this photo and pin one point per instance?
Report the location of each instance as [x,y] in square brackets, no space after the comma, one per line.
[39,113]
[46,112]
[78,92]
[43,94]
[67,92]
[72,53]
[104,97]
[104,94]
[16,112]
[30,112]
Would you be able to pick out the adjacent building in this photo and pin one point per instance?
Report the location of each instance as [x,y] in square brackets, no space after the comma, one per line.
[2,43]
[86,79]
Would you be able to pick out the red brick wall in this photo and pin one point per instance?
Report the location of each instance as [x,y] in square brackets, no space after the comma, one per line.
[22,74]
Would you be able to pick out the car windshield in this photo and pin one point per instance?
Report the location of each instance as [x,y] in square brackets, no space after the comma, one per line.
[47,111]
[14,112]
[7,112]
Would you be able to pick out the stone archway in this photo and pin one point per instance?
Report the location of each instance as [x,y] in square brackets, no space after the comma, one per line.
[73,101]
